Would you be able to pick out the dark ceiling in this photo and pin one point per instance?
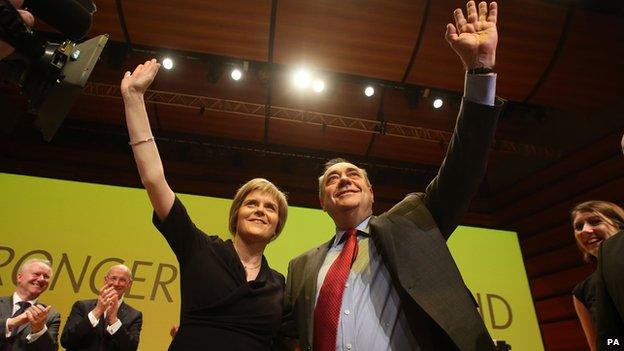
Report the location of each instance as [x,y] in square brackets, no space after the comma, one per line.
[559,64]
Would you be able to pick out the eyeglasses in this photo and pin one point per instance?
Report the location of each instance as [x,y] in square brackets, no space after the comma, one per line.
[115,279]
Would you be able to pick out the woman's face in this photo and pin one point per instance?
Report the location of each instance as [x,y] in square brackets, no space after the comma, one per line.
[258,216]
[591,229]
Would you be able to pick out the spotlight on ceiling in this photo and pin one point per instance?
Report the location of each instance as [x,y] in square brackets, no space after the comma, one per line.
[236,74]
[369,91]
[318,85]
[437,103]
[167,63]
[302,78]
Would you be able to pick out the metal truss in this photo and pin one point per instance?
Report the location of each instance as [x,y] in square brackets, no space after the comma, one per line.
[315,118]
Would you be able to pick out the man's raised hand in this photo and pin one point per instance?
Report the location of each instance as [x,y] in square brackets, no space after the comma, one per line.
[474,38]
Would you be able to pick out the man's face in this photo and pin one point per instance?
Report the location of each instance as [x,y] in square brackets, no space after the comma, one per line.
[33,280]
[344,189]
[119,279]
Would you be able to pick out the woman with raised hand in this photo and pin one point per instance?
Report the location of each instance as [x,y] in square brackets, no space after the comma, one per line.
[593,222]
[230,298]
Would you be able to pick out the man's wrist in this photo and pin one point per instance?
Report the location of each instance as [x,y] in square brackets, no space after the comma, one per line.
[480,88]
[10,323]
[33,336]
[97,312]
[34,329]
[112,328]
[481,70]
[7,328]
[14,322]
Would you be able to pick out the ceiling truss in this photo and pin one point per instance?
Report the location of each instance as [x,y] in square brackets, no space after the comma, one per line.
[324,120]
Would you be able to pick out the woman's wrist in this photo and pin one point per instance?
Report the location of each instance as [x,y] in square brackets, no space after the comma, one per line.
[132,94]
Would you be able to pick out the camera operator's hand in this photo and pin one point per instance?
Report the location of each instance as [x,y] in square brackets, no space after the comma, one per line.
[137,82]
[5,48]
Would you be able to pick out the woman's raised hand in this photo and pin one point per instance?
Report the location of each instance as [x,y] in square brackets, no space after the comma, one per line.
[139,80]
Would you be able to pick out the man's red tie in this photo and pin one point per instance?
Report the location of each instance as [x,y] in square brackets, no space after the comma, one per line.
[327,311]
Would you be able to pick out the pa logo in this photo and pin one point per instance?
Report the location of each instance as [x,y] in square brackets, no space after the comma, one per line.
[613,342]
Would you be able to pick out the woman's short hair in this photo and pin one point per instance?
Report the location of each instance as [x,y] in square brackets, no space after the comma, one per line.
[264,186]
[608,209]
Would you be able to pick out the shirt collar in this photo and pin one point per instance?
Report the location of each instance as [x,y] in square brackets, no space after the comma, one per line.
[362,229]
[17,298]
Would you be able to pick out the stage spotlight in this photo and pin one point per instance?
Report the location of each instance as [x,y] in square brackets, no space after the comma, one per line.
[302,78]
[437,103]
[369,91]
[236,74]
[167,63]
[318,85]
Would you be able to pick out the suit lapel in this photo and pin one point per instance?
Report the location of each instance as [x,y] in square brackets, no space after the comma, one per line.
[6,306]
[6,311]
[122,312]
[420,270]
[313,266]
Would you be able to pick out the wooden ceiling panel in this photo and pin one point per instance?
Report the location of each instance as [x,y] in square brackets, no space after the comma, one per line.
[408,150]
[589,71]
[235,28]
[172,118]
[528,34]
[188,77]
[520,60]
[105,20]
[315,137]
[98,109]
[435,64]
[373,38]
[215,124]
[401,108]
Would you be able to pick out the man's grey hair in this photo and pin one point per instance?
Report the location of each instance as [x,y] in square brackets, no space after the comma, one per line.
[122,266]
[332,162]
[34,260]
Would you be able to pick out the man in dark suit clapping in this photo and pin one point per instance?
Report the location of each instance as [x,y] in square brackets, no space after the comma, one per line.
[26,324]
[105,323]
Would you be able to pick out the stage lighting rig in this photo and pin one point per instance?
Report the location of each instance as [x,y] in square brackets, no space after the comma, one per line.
[50,75]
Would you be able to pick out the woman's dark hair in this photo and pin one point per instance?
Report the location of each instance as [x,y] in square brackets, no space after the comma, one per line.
[608,209]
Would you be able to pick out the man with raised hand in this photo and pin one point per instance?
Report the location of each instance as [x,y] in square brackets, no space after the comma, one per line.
[388,282]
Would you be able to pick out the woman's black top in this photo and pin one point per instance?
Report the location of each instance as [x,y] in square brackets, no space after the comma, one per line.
[219,309]
[585,292]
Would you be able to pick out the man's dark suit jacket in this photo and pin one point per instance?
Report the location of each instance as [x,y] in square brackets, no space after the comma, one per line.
[46,342]
[79,333]
[610,293]
[411,238]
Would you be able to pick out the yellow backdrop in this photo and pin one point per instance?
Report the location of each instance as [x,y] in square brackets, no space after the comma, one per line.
[85,228]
